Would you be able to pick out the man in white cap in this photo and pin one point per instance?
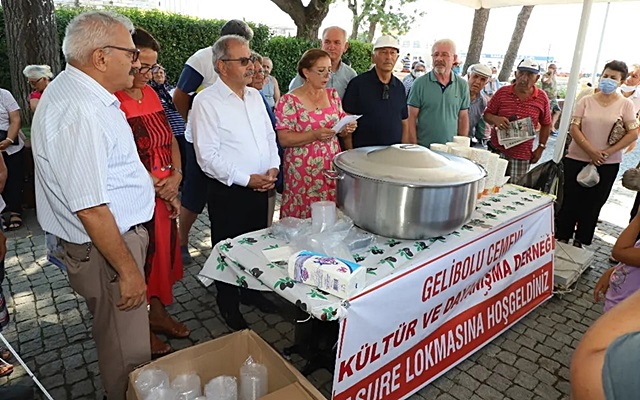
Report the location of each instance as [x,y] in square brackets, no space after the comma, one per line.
[520,101]
[379,97]
[479,75]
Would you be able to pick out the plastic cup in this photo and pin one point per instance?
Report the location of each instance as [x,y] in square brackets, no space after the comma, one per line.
[323,215]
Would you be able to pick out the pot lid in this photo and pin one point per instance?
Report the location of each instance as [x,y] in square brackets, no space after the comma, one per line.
[409,164]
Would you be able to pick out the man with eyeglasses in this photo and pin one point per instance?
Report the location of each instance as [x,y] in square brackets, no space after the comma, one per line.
[235,146]
[439,101]
[379,97]
[334,42]
[198,73]
[94,193]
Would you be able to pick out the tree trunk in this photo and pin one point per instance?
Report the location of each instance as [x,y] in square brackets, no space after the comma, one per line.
[373,24]
[480,19]
[32,38]
[307,19]
[514,45]
[355,19]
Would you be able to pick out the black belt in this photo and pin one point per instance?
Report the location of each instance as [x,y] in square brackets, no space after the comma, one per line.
[134,227]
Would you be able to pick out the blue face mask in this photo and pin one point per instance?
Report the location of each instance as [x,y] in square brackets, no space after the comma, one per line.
[607,85]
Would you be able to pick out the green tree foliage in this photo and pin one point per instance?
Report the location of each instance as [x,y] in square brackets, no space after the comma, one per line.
[391,15]
[180,36]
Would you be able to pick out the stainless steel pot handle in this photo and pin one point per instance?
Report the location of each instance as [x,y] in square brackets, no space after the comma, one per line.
[333,175]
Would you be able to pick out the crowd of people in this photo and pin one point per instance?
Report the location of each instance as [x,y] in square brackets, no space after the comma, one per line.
[148,157]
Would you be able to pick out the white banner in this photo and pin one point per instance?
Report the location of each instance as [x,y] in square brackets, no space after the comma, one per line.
[413,326]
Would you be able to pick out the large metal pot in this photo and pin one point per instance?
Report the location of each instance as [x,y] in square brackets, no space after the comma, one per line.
[406,191]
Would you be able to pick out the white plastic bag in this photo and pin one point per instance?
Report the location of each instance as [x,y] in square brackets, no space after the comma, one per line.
[222,388]
[187,386]
[588,176]
[254,380]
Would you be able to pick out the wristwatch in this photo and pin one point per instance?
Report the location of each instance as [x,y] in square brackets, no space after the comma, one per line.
[543,145]
[178,170]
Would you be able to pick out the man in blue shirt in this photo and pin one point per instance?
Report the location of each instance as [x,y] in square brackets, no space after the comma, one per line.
[380,98]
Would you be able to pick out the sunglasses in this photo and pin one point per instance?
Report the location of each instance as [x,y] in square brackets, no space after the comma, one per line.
[153,69]
[134,53]
[385,92]
[244,61]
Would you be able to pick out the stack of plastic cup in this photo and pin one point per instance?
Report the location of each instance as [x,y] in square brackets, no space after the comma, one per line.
[464,141]
[439,147]
[222,388]
[501,169]
[492,166]
[323,215]
[254,381]
[460,151]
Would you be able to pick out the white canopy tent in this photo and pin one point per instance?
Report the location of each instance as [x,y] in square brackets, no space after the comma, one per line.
[577,55]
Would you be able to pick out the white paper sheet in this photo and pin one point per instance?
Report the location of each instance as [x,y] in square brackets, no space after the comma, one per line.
[344,121]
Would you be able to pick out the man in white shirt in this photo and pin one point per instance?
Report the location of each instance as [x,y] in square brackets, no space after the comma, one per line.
[198,73]
[235,146]
[93,192]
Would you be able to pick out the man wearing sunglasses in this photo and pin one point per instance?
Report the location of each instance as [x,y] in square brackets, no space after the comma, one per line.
[198,73]
[93,192]
[235,146]
[379,97]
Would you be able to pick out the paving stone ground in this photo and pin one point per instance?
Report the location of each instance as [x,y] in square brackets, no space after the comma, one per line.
[51,324]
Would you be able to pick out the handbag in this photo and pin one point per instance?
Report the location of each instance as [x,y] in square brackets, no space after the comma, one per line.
[617,132]
[631,178]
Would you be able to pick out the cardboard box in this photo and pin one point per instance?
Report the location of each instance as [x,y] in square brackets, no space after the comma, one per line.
[225,356]
[295,391]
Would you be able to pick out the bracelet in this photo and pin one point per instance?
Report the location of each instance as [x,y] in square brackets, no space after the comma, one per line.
[543,145]
[11,140]
[178,170]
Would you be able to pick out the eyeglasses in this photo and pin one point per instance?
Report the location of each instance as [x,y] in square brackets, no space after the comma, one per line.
[154,68]
[244,61]
[324,72]
[385,92]
[135,53]
[33,83]
[438,54]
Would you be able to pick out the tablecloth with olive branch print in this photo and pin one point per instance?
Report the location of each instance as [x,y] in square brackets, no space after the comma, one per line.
[240,260]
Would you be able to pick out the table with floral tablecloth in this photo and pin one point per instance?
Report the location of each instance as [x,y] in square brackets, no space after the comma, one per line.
[240,260]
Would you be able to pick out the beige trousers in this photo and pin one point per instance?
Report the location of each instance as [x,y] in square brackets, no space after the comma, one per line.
[122,337]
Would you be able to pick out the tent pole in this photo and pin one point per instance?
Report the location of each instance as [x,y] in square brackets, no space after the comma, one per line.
[604,28]
[573,81]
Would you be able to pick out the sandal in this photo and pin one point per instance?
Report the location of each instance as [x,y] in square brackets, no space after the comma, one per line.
[5,354]
[158,347]
[176,330]
[6,369]
[15,222]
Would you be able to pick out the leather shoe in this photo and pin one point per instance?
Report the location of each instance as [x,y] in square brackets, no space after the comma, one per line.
[257,299]
[235,320]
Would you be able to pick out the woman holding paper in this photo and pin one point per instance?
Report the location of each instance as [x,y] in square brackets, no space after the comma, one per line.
[592,121]
[305,121]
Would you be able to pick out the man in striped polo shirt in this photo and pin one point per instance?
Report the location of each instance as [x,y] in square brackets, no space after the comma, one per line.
[518,101]
[93,192]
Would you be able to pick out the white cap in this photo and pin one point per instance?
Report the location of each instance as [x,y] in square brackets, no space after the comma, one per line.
[481,70]
[529,65]
[386,41]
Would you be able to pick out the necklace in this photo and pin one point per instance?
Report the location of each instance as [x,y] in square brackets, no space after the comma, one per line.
[606,100]
[134,93]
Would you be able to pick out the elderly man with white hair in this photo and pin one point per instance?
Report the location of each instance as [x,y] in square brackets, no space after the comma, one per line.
[479,75]
[439,101]
[93,192]
[38,77]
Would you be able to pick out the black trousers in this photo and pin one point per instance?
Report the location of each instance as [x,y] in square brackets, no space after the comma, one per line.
[12,193]
[233,211]
[582,205]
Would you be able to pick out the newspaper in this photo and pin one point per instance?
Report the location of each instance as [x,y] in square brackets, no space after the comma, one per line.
[519,131]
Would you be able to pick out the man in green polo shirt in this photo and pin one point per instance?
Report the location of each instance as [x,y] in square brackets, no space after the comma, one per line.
[439,101]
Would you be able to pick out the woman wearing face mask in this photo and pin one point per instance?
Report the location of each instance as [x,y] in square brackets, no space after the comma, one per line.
[591,123]
[417,70]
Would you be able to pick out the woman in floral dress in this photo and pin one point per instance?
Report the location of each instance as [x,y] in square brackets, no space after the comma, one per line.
[304,121]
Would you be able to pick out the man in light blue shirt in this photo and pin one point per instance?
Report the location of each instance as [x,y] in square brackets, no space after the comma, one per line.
[334,42]
[93,192]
